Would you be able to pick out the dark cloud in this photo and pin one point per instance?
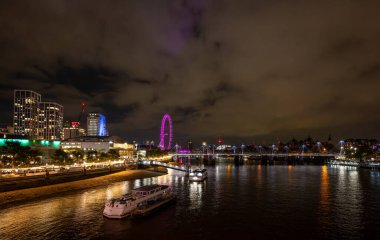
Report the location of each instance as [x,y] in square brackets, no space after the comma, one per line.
[89,80]
[370,71]
[114,112]
[186,111]
[244,70]
[154,99]
[212,95]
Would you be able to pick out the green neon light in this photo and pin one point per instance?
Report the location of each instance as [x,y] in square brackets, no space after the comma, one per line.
[56,144]
[22,142]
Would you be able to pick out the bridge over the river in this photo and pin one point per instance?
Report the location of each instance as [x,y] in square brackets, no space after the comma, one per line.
[258,155]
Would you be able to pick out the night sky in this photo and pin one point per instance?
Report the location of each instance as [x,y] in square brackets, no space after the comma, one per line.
[245,70]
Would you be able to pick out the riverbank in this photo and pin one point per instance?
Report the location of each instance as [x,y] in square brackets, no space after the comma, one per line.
[33,181]
[17,196]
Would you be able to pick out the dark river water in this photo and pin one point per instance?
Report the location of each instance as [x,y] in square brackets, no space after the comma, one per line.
[236,202]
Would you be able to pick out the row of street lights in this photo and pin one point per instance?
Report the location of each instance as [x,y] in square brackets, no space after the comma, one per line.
[260,148]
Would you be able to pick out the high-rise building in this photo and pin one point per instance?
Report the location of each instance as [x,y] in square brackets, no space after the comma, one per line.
[50,120]
[26,108]
[96,125]
[36,119]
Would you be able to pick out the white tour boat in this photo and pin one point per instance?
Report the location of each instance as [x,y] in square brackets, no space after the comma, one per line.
[140,201]
[198,175]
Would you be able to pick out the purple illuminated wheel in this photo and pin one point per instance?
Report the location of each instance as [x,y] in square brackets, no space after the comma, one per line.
[163,134]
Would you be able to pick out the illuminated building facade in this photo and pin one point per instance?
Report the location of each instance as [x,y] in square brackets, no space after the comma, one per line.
[125,150]
[26,108]
[50,120]
[6,130]
[36,119]
[98,146]
[72,131]
[96,125]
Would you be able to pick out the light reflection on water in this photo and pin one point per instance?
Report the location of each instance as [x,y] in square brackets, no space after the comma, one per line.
[325,202]
[195,194]
[311,202]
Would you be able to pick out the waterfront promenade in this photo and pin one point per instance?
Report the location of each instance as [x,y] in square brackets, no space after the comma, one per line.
[23,195]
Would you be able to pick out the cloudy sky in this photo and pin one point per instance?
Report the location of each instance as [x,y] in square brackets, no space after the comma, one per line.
[245,70]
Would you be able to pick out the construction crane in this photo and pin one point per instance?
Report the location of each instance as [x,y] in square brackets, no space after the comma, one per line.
[79,119]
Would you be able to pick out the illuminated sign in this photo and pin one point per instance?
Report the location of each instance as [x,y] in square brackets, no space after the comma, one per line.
[75,124]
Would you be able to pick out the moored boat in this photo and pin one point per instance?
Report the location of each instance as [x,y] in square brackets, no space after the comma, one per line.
[139,201]
[340,162]
[198,175]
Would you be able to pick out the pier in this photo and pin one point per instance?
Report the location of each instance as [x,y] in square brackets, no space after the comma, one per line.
[162,164]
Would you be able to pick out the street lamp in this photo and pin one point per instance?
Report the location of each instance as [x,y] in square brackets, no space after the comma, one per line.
[204,145]
[260,149]
[319,144]
[303,148]
[286,148]
[341,142]
[234,148]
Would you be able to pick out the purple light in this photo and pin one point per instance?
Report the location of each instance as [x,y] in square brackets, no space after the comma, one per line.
[184,151]
[162,133]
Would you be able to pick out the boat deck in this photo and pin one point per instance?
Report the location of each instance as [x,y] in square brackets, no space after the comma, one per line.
[151,208]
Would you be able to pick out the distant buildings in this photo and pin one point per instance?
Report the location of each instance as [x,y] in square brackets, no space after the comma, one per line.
[356,143]
[6,130]
[224,147]
[99,144]
[36,119]
[44,120]
[72,130]
[96,125]
[190,145]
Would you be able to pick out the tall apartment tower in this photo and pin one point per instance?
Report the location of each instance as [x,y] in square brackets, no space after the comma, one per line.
[50,120]
[96,125]
[26,108]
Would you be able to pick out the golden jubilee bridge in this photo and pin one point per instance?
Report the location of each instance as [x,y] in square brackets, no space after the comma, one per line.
[253,155]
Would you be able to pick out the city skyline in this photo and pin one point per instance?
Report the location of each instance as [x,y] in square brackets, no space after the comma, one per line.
[37,119]
[298,78]
[204,119]
[104,131]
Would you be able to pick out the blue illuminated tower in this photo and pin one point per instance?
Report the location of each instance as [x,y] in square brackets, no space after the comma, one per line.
[102,129]
[96,125]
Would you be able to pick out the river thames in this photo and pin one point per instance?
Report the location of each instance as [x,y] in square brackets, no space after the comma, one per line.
[236,202]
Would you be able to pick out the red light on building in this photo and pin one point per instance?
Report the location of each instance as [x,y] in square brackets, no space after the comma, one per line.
[220,141]
[83,104]
[75,124]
